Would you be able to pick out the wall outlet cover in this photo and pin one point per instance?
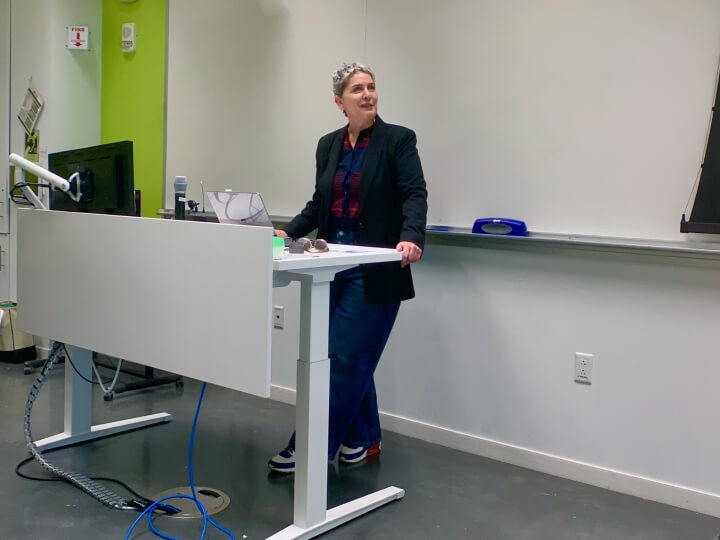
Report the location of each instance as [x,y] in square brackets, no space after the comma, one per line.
[583,368]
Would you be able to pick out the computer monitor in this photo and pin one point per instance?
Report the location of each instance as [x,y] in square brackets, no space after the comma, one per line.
[106,173]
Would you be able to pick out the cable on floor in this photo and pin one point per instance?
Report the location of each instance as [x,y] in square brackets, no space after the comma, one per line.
[149,510]
[89,486]
[27,460]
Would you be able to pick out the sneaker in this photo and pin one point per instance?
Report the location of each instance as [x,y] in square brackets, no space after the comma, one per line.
[353,455]
[284,462]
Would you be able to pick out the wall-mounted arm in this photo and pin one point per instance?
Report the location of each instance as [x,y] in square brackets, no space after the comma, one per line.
[33,168]
[73,186]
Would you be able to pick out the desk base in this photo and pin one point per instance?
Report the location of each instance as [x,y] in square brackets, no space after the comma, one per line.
[342,514]
[102,430]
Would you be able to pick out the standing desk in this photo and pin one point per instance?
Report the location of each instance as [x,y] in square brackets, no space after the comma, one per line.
[121,286]
[315,272]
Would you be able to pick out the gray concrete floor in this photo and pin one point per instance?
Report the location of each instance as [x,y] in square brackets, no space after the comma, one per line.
[449,494]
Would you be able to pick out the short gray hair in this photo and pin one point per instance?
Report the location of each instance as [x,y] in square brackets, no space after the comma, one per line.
[341,75]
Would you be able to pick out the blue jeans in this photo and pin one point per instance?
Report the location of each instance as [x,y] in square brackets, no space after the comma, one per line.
[359,331]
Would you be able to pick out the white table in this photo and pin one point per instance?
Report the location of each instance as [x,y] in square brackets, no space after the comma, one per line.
[122,286]
[315,272]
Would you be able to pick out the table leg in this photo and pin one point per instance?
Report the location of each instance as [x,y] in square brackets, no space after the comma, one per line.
[313,391]
[311,516]
[78,407]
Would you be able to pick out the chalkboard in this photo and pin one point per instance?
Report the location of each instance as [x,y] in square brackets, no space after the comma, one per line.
[578,117]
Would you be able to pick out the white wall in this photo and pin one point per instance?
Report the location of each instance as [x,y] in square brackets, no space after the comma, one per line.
[69,81]
[247,102]
[482,359]
[4,142]
[578,117]
[493,354]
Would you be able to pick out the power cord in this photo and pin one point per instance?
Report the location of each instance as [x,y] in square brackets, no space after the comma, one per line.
[110,388]
[22,199]
[89,485]
[149,510]
[100,381]
[100,492]
[144,501]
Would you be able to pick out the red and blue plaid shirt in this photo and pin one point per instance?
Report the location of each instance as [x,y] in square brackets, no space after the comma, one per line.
[346,182]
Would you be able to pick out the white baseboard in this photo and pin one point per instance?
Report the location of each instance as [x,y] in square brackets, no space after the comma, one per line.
[282,394]
[587,473]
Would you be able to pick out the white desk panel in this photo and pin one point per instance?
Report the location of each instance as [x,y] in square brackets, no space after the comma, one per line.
[187,297]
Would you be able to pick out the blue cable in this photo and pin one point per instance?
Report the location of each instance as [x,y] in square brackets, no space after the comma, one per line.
[191,474]
[150,509]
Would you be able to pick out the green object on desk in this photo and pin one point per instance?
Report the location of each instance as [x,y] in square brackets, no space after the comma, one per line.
[278,247]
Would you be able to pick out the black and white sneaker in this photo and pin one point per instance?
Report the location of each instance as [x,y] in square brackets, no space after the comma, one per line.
[354,455]
[283,462]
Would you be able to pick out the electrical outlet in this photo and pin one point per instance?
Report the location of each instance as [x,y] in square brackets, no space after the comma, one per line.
[583,368]
[279,317]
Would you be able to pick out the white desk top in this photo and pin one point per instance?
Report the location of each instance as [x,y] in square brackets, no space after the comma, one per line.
[339,255]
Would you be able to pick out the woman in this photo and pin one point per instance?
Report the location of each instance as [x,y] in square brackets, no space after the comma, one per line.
[369,190]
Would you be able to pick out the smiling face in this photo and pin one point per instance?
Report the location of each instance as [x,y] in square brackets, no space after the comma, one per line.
[359,100]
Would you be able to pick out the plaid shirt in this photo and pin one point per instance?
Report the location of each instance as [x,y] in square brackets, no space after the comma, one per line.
[346,182]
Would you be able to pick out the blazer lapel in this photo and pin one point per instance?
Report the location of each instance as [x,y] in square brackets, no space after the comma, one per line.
[372,159]
[328,174]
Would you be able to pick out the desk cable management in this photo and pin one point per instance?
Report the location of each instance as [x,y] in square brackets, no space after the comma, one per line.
[88,485]
[97,490]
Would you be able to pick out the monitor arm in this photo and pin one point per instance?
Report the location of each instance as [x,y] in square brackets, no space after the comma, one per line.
[73,186]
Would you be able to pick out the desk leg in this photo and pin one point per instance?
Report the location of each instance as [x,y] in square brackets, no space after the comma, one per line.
[78,393]
[78,408]
[313,396]
[311,426]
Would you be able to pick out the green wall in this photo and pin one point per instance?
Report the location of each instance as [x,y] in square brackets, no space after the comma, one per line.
[133,91]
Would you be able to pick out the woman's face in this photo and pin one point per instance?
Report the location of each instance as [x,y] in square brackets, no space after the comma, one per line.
[359,99]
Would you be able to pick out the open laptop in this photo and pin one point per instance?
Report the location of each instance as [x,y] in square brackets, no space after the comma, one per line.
[240,208]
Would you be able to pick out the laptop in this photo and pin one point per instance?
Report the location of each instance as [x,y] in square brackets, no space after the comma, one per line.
[239,208]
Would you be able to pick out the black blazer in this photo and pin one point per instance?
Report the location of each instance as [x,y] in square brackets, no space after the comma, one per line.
[393,204]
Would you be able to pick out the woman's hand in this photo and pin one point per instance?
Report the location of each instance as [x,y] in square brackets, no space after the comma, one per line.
[410,252]
[280,233]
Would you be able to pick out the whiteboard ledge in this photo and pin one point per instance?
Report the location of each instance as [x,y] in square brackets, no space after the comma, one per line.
[460,236]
